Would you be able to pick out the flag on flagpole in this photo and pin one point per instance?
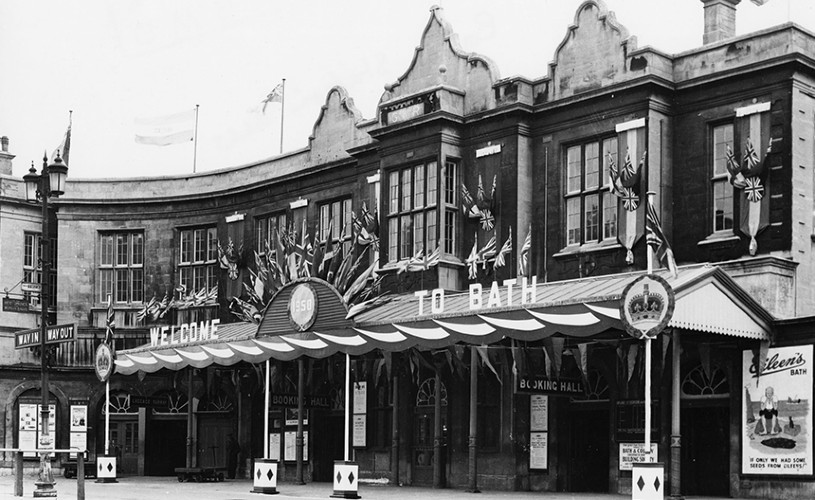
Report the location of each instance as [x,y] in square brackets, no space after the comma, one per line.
[506,248]
[655,238]
[64,147]
[110,322]
[276,95]
[523,258]
[166,130]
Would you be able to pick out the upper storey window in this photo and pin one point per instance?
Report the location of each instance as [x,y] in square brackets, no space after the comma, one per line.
[722,139]
[591,207]
[197,259]
[121,266]
[265,230]
[422,209]
[335,223]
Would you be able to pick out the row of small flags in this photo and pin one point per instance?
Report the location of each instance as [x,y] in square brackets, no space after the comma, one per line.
[156,310]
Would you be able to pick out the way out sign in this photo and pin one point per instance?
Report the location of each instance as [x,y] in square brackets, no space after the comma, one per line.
[53,335]
[647,306]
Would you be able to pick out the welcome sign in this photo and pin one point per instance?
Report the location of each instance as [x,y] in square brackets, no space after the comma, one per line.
[777,412]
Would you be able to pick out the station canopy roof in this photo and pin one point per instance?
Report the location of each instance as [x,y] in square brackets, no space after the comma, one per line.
[707,300]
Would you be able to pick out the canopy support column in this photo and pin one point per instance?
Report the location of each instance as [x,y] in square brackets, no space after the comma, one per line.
[473,458]
[266,414]
[395,423]
[190,439]
[301,383]
[676,446]
[437,436]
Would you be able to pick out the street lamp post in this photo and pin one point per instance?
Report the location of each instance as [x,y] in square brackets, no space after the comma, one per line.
[50,182]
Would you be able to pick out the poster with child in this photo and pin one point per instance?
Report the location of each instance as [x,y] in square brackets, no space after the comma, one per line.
[777,412]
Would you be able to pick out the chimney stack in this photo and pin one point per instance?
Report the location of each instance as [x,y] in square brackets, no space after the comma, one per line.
[720,20]
[5,157]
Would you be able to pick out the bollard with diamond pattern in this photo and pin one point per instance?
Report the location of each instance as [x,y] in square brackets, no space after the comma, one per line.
[106,469]
[264,478]
[648,481]
[346,479]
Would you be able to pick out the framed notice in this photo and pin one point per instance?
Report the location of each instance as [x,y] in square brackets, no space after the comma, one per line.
[360,422]
[291,416]
[27,428]
[777,412]
[538,412]
[79,428]
[633,453]
[360,397]
[79,441]
[290,446]
[274,446]
[538,450]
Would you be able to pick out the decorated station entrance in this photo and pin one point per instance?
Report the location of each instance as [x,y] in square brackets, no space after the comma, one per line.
[433,379]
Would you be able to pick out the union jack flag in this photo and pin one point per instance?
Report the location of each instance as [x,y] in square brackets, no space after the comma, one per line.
[487,220]
[523,258]
[657,241]
[110,322]
[750,157]
[631,200]
[754,190]
[506,248]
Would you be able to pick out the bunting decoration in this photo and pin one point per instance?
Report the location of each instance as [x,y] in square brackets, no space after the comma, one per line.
[230,258]
[657,241]
[750,173]
[626,184]
[483,207]
[523,258]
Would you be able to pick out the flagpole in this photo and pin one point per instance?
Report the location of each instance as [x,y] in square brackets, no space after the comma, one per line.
[650,269]
[282,107]
[195,141]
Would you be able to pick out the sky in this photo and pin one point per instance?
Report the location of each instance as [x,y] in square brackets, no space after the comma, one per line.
[114,62]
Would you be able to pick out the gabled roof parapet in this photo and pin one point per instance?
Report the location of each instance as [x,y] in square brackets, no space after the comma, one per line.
[439,60]
[337,128]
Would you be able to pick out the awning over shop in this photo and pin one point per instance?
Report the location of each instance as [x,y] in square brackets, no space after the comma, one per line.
[707,300]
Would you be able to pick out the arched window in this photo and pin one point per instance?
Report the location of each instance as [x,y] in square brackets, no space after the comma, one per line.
[595,389]
[178,402]
[698,384]
[426,395]
[119,404]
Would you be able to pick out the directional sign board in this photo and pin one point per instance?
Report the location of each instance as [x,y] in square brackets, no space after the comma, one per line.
[149,401]
[53,335]
[31,287]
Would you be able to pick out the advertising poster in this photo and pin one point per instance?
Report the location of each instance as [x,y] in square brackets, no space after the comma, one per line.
[634,453]
[79,441]
[777,413]
[538,450]
[290,446]
[79,418]
[360,397]
[359,431]
[539,412]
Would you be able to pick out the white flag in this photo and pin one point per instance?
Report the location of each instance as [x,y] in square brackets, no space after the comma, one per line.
[166,130]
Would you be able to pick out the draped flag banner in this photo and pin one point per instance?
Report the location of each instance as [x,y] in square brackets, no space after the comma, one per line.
[626,177]
[753,146]
[166,130]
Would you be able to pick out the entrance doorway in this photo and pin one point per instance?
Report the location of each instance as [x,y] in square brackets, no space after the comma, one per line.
[165,446]
[424,432]
[705,451]
[214,432]
[330,435]
[124,443]
[589,456]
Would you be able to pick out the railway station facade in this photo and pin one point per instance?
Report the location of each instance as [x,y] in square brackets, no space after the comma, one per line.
[492,224]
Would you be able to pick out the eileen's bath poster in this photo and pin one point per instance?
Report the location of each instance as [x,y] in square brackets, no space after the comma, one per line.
[777,413]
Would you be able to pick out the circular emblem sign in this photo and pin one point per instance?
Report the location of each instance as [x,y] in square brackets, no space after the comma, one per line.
[647,306]
[303,307]
[103,362]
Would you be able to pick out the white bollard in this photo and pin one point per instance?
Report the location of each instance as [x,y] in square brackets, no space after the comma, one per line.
[264,478]
[106,469]
[346,479]
[648,481]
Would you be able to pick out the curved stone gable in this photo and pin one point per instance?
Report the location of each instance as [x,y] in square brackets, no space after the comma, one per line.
[593,53]
[336,130]
[439,60]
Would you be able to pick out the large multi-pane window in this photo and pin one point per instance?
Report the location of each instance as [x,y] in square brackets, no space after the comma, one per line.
[415,210]
[121,266]
[198,256]
[591,207]
[722,190]
[265,229]
[335,223]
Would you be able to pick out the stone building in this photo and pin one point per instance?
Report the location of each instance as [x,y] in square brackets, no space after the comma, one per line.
[455,162]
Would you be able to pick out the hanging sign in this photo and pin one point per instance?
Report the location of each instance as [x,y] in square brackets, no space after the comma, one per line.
[53,335]
[103,362]
[647,306]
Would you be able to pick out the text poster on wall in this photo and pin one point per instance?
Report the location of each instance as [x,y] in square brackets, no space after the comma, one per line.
[777,412]
[274,446]
[79,428]
[538,450]
[360,422]
[538,412]
[290,446]
[27,428]
[360,397]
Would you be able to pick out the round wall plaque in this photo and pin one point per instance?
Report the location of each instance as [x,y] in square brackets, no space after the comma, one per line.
[303,307]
